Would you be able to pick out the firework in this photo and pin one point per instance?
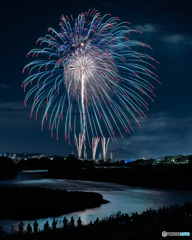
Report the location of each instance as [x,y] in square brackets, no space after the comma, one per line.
[90,74]
[104,147]
[79,145]
[95,142]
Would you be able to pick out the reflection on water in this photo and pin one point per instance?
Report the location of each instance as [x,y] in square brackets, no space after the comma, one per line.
[122,198]
[34,171]
[112,167]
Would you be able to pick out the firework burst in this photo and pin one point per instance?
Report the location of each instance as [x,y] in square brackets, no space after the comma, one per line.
[92,73]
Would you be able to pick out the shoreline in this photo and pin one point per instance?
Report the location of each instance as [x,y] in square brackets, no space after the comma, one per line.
[34,202]
[145,176]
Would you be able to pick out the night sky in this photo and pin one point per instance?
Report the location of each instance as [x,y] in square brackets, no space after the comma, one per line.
[166,27]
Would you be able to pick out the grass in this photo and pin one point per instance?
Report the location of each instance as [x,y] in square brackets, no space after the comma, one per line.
[144,229]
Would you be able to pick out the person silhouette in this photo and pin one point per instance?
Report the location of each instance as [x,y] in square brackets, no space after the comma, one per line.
[65,222]
[46,226]
[97,221]
[29,228]
[54,224]
[13,231]
[2,232]
[72,221]
[35,226]
[79,222]
[21,227]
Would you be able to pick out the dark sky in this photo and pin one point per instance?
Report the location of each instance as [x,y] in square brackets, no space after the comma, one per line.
[166,27]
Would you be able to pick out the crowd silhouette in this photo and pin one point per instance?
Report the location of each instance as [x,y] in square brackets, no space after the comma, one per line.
[172,212]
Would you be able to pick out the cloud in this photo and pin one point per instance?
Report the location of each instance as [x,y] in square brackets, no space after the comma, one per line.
[3,86]
[159,135]
[15,115]
[148,27]
[178,38]
[175,38]
[189,41]
[9,106]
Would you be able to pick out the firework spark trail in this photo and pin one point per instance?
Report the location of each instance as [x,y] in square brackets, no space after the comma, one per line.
[95,141]
[104,147]
[83,109]
[79,145]
[92,62]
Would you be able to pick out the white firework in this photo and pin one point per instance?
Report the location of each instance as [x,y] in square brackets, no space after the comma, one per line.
[95,142]
[104,147]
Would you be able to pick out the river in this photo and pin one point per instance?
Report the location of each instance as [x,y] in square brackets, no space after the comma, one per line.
[122,198]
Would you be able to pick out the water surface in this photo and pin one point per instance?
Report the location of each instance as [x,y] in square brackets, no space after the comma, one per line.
[122,198]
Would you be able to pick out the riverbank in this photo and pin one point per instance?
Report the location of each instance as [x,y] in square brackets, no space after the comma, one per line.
[32,202]
[160,176]
[148,225]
